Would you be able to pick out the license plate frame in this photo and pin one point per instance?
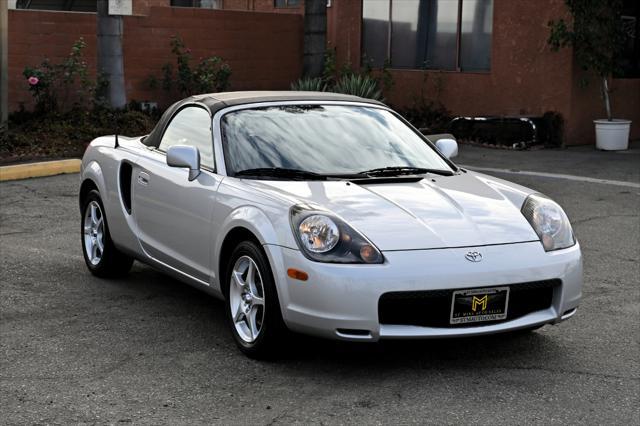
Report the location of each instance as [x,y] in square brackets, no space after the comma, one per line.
[477,305]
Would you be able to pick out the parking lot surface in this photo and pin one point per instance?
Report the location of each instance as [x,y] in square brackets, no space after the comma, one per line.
[147,349]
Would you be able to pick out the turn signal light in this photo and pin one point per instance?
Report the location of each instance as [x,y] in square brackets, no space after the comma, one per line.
[297,274]
[369,254]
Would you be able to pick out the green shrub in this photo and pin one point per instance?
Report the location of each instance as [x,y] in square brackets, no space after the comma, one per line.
[346,80]
[33,135]
[310,84]
[211,74]
[62,86]
[428,116]
[329,71]
[551,129]
[360,85]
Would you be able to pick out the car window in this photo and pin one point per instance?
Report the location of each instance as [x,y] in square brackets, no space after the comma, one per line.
[323,139]
[191,126]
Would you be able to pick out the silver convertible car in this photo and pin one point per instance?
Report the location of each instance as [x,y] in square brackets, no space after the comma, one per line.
[329,215]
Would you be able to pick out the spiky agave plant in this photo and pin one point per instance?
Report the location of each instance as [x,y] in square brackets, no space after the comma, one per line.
[310,84]
[361,85]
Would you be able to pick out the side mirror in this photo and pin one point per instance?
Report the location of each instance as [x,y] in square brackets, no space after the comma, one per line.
[448,147]
[185,156]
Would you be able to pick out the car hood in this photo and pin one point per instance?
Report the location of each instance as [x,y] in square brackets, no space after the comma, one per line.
[468,209]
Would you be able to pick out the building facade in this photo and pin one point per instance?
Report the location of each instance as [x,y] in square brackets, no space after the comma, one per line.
[476,57]
[485,57]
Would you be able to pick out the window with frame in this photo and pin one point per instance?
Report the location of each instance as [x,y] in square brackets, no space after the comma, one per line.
[201,4]
[628,59]
[286,3]
[452,35]
[191,126]
[69,5]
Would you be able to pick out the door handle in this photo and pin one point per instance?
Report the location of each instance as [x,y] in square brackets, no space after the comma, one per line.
[143,178]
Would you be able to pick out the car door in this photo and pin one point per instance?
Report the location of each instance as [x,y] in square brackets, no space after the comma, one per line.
[173,214]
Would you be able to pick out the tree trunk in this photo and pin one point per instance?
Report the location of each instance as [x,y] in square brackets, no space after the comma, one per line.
[110,59]
[605,97]
[315,37]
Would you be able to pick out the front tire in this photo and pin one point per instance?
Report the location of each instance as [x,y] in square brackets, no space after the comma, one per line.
[100,254]
[252,306]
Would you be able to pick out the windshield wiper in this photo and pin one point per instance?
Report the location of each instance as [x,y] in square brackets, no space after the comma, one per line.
[404,170]
[280,172]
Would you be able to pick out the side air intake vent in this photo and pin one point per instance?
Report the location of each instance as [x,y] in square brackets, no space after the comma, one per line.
[125,185]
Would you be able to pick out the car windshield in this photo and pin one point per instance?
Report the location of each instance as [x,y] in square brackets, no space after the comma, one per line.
[322,139]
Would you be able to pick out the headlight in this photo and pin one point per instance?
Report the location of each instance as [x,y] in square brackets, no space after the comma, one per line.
[318,233]
[549,221]
[324,237]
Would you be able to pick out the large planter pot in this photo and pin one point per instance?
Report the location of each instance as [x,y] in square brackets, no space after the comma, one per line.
[612,135]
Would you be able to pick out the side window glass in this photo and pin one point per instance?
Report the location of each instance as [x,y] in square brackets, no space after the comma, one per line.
[191,126]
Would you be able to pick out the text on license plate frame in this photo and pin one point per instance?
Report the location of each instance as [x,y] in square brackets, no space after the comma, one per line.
[487,299]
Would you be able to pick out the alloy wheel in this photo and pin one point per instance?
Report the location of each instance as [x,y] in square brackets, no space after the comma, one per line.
[94,232]
[246,299]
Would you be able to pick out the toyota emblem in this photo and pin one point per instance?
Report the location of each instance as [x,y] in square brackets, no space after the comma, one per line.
[473,256]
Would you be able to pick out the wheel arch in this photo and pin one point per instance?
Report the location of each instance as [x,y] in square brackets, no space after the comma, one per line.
[92,177]
[245,232]
[234,237]
[244,223]
[87,186]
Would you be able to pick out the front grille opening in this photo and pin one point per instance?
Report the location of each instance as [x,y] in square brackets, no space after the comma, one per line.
[432,308]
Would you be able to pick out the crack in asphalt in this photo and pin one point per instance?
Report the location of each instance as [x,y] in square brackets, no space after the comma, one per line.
[2,234]
[589,219]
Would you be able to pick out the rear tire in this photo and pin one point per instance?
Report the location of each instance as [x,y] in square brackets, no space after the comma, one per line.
[252,306]
[100,254]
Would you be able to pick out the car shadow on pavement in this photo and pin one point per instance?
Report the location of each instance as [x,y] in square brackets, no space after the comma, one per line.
[390,353]
[203,316]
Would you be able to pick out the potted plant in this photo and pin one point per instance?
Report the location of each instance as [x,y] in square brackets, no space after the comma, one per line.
[596,35]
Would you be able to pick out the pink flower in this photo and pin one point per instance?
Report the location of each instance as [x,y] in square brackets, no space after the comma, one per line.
[33,80]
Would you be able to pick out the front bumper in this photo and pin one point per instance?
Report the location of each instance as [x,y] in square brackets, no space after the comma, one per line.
[341,301]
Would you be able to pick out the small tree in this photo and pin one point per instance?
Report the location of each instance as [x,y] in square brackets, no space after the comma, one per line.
[596,35]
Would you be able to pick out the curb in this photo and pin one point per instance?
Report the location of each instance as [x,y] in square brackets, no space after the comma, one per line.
[45,168]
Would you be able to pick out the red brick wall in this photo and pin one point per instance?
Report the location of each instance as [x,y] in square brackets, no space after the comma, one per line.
[35,35]
[261,6]
[343,30]
[526,77]
[587,105]
[141,7]
[264,50]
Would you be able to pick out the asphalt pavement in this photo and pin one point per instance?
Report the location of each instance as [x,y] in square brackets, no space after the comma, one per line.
[147,349]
